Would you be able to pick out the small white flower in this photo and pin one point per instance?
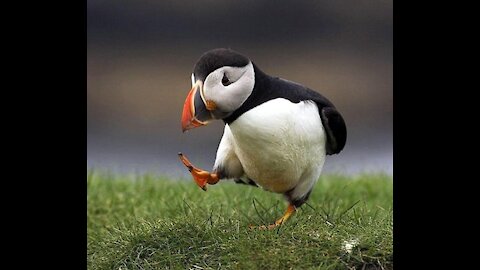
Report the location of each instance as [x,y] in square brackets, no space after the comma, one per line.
[349,245]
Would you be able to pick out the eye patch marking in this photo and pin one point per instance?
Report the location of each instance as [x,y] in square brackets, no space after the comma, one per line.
[225,80]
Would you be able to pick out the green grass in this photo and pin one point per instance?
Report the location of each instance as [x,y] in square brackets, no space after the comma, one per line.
[150,222]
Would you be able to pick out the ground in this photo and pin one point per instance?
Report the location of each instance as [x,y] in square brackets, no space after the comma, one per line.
[152,222]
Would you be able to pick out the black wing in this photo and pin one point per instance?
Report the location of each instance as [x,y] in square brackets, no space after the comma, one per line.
[336,129]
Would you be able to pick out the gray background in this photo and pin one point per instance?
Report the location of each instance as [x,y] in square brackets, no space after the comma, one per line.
[141,54]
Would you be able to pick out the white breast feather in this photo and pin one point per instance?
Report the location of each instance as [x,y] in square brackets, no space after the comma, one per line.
[280,145]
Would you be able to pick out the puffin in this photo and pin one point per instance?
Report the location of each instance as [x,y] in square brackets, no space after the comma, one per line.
[277,132]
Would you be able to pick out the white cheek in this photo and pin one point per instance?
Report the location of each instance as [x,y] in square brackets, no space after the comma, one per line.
[212,89]
[235,94]
[231,97]
[193,79]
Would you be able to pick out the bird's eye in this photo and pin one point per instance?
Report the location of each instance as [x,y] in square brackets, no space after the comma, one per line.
[225,80]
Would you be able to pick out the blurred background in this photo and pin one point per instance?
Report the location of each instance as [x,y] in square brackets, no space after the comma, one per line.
[141,55]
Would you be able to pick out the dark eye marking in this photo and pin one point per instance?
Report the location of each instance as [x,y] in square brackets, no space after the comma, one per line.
[225,80]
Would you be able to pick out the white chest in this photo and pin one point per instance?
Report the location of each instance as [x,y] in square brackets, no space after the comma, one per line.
[278,142]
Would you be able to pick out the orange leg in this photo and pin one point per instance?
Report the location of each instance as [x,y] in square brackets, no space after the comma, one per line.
[201,177]
[290,210]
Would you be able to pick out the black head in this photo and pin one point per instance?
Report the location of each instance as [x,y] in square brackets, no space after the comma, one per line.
[215,59]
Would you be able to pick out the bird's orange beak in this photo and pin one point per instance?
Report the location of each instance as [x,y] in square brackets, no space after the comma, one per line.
[195,112]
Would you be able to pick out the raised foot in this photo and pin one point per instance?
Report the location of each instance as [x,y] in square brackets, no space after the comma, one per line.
[201,177]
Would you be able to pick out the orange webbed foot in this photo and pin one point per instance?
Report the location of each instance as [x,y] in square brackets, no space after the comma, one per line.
[201,177]
[290,210]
